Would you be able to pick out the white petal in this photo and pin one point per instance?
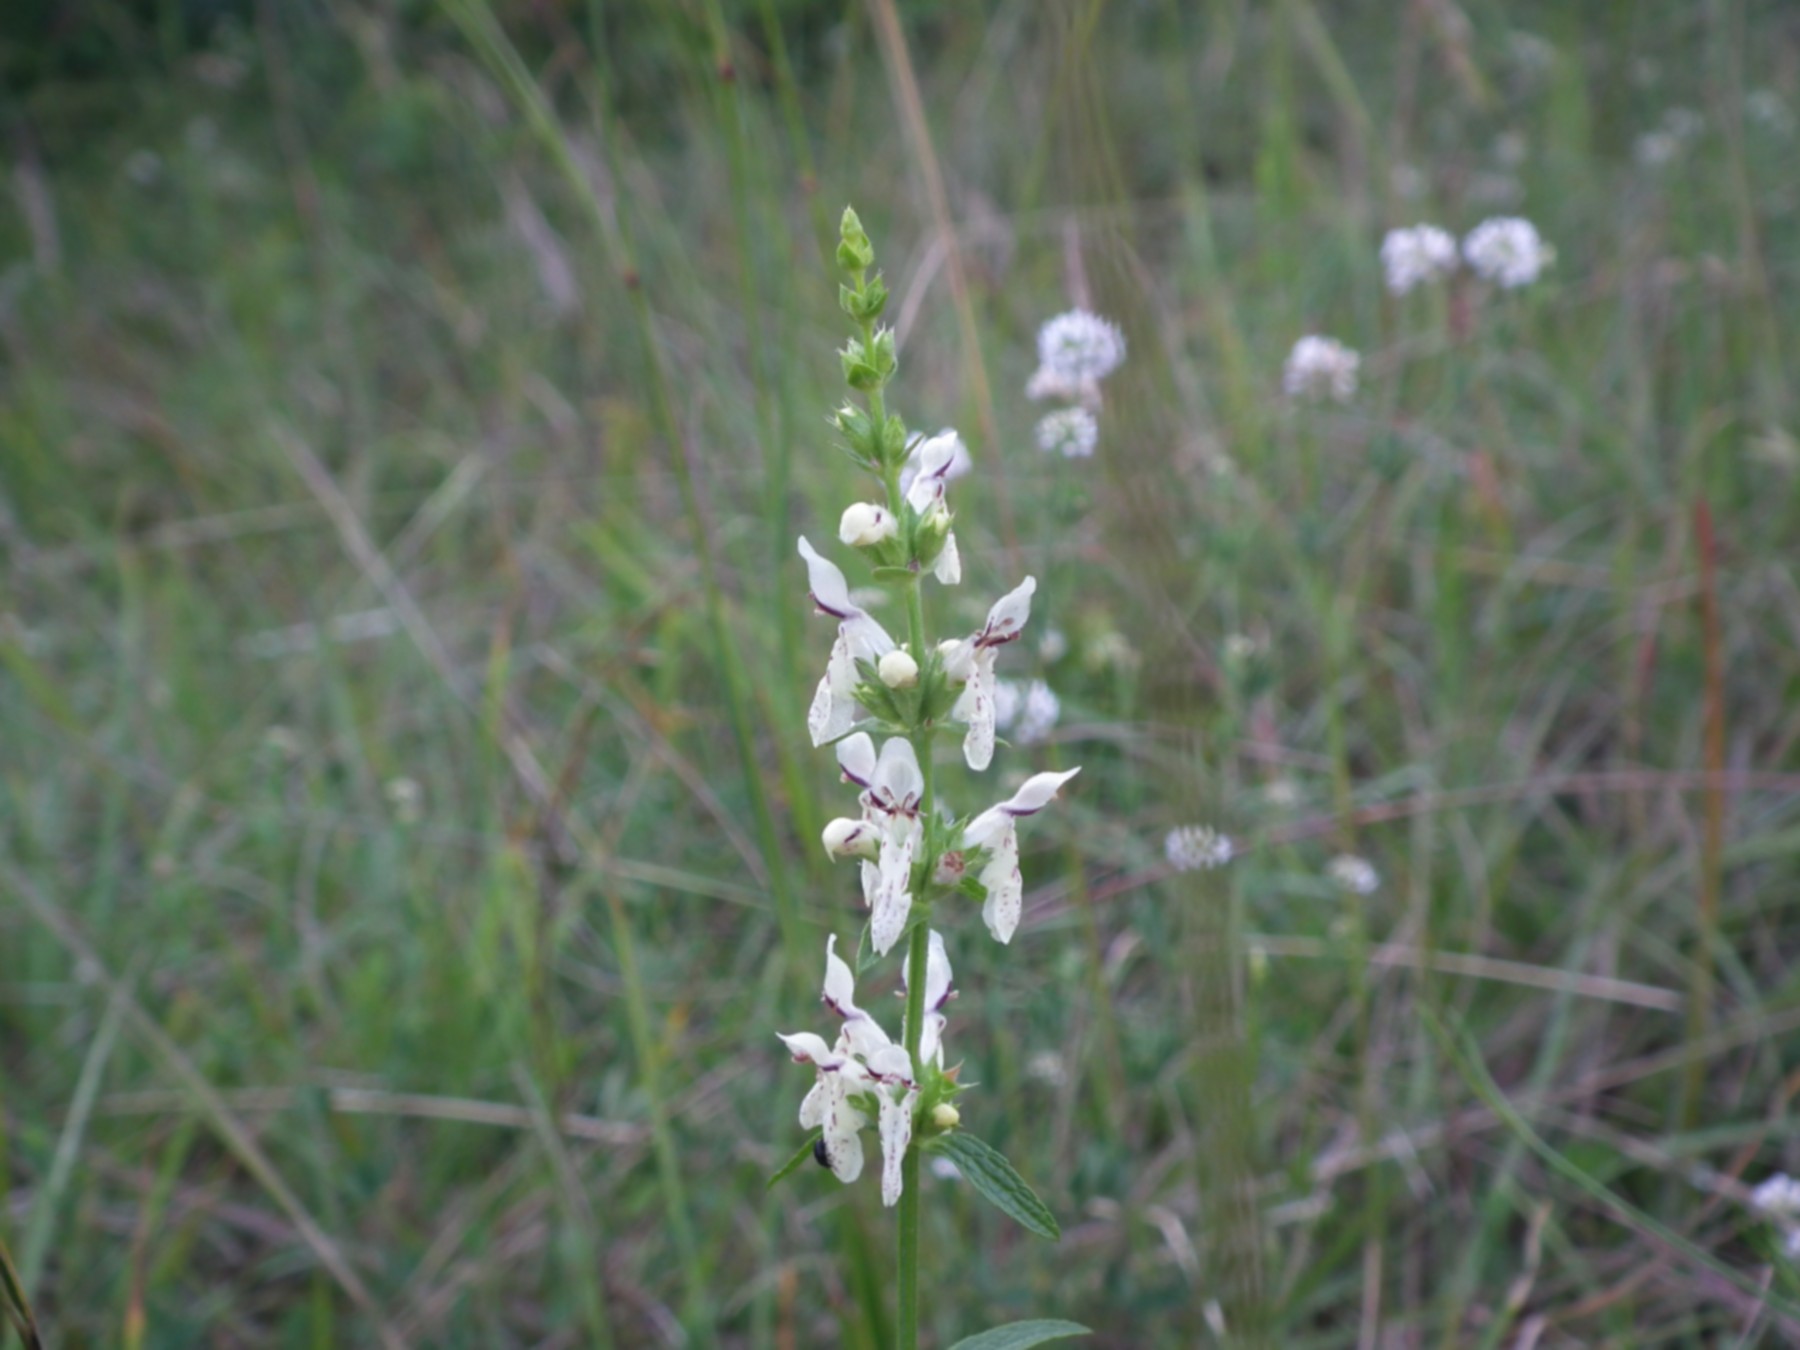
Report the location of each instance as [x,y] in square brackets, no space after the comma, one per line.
[931,1039]
[833,710]
[871,883]
[896,1134]
[937,973]
[856,757]
[958,656]
[844,838]
[867,640]
[840,983]
[934,462]
[977,705]
[891,1064]
[948,568]
[893,896]
[807,1048]
[987,828]
[812,1109]
[843,1144]
[830,591]
[897,779]
[1005,888]
[1036,793]
[1007,618]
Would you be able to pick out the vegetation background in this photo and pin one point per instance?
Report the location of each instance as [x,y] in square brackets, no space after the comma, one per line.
[407,826]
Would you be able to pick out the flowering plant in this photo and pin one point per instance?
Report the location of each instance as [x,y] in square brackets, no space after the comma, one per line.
[880,704]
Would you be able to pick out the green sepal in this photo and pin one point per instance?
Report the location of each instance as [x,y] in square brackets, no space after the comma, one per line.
[1023,1335]
[986,1169]
[854,251]
[887,575]
[795,1163]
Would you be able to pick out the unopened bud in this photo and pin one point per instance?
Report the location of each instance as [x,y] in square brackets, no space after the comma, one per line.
[844,838]
[898,670]
[945,1116]
[864,525]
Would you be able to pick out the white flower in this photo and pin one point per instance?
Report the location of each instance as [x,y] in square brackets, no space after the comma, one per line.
[1282,792]
[892,786]
[898,670]
[1008,696]
[937,993]
[1053,647]
[1070,432]
[1354,874]
[933,464]
[846,838]
[864,1067]
[1415,255]
[1080,346]
[1196,847]
[1046,383]
[1779,1195]
[1038,712]
[860,638]
[864,525]
[995,829]
[973,661]
[1320,367]
[1507,251]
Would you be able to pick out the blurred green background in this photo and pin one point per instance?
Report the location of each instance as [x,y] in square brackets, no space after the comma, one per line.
[407,821]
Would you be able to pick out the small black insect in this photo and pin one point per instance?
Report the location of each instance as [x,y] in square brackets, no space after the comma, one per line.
[820,1156]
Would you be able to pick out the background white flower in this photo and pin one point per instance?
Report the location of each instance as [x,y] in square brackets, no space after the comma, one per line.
[1354,874]
[1508,251]
[1320,367]
[1417,254]
[1080,346]
[1070,432]
[1191,848]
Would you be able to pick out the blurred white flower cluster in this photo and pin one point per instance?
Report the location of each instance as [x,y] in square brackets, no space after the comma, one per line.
[1319,368]
[1504,250]
[1076,351]
[1195,848]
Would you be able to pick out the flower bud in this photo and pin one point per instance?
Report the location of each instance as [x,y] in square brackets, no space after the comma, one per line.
[950,869]
[854,252]
[945,1116]
[898,670]
[865,525]
[844,838]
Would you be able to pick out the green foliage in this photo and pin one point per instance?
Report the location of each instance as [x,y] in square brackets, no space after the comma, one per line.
[402,792]
[986,1169]
[1022,1335]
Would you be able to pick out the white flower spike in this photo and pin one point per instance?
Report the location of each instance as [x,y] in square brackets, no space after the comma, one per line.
[973,661]
[996,829]
[860,637]
[864,1064]
[892,787]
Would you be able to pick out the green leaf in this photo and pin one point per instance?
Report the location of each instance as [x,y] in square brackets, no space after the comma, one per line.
[987,1170]
[1019,1335]
[795,1163]
[13,1303]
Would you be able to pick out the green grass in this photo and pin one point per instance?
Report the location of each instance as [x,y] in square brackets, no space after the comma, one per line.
[439,406]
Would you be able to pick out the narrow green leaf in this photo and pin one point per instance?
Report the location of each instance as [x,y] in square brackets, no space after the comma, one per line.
[986,1169]
[14,1304]
[795,1163]
[1019,1335]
